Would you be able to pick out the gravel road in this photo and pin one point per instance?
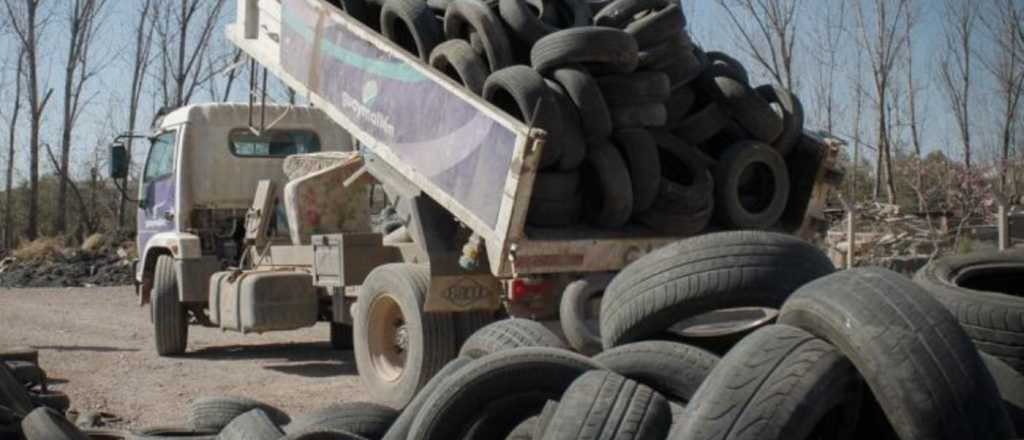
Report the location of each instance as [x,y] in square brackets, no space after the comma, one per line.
[98,344]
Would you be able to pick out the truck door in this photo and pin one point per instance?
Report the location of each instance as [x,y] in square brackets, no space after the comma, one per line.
[157,193]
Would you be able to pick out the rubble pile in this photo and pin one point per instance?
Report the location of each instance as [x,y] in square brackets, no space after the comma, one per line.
[888,237]
[96,263]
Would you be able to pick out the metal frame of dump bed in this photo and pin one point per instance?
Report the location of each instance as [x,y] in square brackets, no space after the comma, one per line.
[473,159]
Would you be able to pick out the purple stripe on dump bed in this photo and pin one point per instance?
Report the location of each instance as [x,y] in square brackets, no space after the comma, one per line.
[461,150]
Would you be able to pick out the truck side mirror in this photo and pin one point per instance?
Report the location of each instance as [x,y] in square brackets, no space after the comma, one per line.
[119,161]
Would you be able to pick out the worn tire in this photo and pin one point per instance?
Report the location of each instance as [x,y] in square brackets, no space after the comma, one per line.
[750,111]
[520,91]
[700,274]
[322,434]
[213,413]
[524,430]
[365,419]
[16,353]
[27,373]
[620,13]
[463,396]
[544,419]
[681,210]
[468,323]
[612,50]
[884,323]
[555,185]
[634,88]
[509,334]
[501,417]
[703,124]
[411,25]
[585,94]
[678,107]
[399,290]
[734,207]
[792,112]
[457,60]
[399,430]
[1010,384]
[657,27]
[573,142]
[466,17]
[164,432]
[602,405]
[670,368]
[47,424]
[253,425]
[657,57]
[608,194]
[580,326]
[170,320]
[640,152]
[724,63]
[981,292]
[12,393]
[56,400]
[545,213]
[639,116]
[527,26]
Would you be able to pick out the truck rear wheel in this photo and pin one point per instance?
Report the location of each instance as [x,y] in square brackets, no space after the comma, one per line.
[170,320]
[398,346]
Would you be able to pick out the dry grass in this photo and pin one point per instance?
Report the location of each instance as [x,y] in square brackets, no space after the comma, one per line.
[94,243]
[40,250]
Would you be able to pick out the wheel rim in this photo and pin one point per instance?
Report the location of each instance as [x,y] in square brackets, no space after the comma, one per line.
[726,322]
[388,338]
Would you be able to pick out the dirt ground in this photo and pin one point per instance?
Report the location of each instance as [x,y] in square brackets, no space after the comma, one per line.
[97,344]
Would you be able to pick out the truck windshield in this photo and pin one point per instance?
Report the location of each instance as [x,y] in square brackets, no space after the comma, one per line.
[161,157]
[273,143]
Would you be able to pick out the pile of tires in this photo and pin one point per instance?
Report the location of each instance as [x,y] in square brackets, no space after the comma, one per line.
[643,127]
[24,387]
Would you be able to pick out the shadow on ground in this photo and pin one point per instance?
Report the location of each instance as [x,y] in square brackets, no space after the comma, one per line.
[83,348]
[301,359]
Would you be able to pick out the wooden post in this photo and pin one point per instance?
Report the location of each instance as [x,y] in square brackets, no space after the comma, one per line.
[1002,221]
[851,236]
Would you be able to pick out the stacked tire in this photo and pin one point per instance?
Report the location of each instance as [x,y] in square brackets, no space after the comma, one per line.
[24,388]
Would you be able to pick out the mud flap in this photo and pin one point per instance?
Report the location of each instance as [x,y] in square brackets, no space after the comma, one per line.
[453,289]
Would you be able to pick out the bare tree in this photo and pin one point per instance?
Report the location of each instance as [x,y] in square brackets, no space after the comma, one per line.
[25,22]
[883,37]
[768,30]
[957,66]
[83,18]
[915,122]
[141,61]
[1005,63]
[185,32]
[9,227]
[827,44]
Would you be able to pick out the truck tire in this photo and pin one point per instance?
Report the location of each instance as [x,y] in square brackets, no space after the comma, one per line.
[792,111]
[213,413]
[779,383]
[465,17]
[457,60]
[47,424]
[672,369]
[703,124]
[1011,388]
[752,186]
[574,144]
[15,353]
[982,292]
[620,13]
[253,425]
[365,419]
[341,336]
[579,324]
[170,320]
[638,149]
[400,428]
[884,323]
[12,393]
[508,334]
[634,88]
[520,91]
[399,347]
[710,272]
[602,405]
[411,25]
[610,50]
[608,197]
[464,395]
[590,103]
[657,27]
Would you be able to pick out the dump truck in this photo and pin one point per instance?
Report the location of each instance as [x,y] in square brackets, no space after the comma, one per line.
[407,279]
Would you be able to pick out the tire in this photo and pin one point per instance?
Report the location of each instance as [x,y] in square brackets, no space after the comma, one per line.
[322,434]
[581,326]
[365,419]
[608,193]
[639,116]
[457,60]
[524,430]
[779,383]
[16,353]
[735,207]
[341,336]
[634,88]
[47,424]
[27,373]
[641,155]
[976,288]
[363,11]
[884,323]
[602,405]
[724,62]
[683,70]
[678,107]
[509,334]
[51,399]
[463,396]
[12,393]
[585,94]
[750,111]
[573,144]
[544,419]
[1010,384]
[411,25]
[679,210]
[164,432]
[213,413]
[395,294]
[681,162]
[465,17]
[544,213]
[106,434]
[554,185]
[524,23]
[520,91]
[792,112]
[675,370]
[400,428]
[705,273]
[620,13]
[611,50]
[468,323]
[501,417]
[657,27]
[667,52]
[170,320]
[253,425]
[702,124]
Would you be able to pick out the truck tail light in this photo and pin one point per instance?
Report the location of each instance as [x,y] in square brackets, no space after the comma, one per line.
[524,288]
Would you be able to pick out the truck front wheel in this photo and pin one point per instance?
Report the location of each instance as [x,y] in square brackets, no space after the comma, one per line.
[398,347]
[170,320]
